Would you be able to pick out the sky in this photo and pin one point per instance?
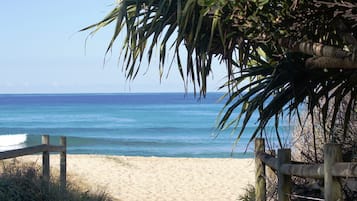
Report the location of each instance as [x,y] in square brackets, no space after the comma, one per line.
[42,51]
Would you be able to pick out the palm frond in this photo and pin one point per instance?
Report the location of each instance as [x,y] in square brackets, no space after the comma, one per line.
[284,88]
[268,75]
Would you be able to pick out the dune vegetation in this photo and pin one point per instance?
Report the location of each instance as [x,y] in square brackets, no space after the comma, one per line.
[23,182]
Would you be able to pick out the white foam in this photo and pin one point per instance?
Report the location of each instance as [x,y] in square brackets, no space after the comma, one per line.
[12,139]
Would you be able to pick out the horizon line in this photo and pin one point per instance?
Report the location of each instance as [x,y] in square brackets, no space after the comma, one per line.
[111,93]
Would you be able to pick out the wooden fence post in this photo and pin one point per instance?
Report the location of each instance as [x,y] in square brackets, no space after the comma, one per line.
[332,186]
[284,181]
[271,175]
[260,183]
[63,164]
[46,164]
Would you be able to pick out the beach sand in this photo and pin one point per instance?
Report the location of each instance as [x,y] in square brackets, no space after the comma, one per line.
[159,178]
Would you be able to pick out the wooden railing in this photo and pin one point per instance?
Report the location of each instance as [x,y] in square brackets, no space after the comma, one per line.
[330,170]
[45,148]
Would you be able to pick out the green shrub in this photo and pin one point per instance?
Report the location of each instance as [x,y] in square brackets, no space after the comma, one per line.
[249,194]
[23,182]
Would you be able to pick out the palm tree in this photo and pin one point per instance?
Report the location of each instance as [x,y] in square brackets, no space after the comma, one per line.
[279,54]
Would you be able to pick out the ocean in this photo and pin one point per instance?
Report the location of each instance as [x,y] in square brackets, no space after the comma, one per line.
[133,124]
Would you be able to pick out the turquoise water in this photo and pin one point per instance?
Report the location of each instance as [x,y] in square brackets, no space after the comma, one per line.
[170,124]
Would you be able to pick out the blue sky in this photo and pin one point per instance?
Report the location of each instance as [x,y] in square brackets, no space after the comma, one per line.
[41,51]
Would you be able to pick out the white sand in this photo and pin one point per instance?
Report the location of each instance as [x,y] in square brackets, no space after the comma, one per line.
[160,179]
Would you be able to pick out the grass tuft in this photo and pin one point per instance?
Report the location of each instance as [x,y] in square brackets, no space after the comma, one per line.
[23,182]
[249,194]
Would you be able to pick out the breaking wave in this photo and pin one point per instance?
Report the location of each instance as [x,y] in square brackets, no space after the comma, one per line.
[12,141]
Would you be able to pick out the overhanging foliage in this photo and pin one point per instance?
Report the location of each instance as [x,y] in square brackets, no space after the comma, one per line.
[279,54]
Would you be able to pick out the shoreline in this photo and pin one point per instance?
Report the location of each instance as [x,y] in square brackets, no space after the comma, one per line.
[130,178]
[248,155]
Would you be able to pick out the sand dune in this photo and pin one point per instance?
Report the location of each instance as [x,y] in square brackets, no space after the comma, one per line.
[160,179]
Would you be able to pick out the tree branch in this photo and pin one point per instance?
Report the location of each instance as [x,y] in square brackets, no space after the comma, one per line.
[316,49]
[325,56]
[330,62]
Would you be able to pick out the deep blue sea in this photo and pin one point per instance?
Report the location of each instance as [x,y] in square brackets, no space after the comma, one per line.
[133,124]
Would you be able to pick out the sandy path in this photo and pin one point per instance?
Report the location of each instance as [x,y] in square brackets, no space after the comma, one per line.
[160,179]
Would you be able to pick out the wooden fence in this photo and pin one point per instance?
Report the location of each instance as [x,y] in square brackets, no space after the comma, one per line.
[45,148]
[330,171]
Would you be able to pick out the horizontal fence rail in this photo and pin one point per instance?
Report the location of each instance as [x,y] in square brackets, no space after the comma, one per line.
[341,169]
[344,169]
[330,170]
[45,148]
[306,171]
[30,151]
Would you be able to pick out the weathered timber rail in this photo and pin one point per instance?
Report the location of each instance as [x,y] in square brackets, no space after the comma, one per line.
[330,171]
[45,148]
